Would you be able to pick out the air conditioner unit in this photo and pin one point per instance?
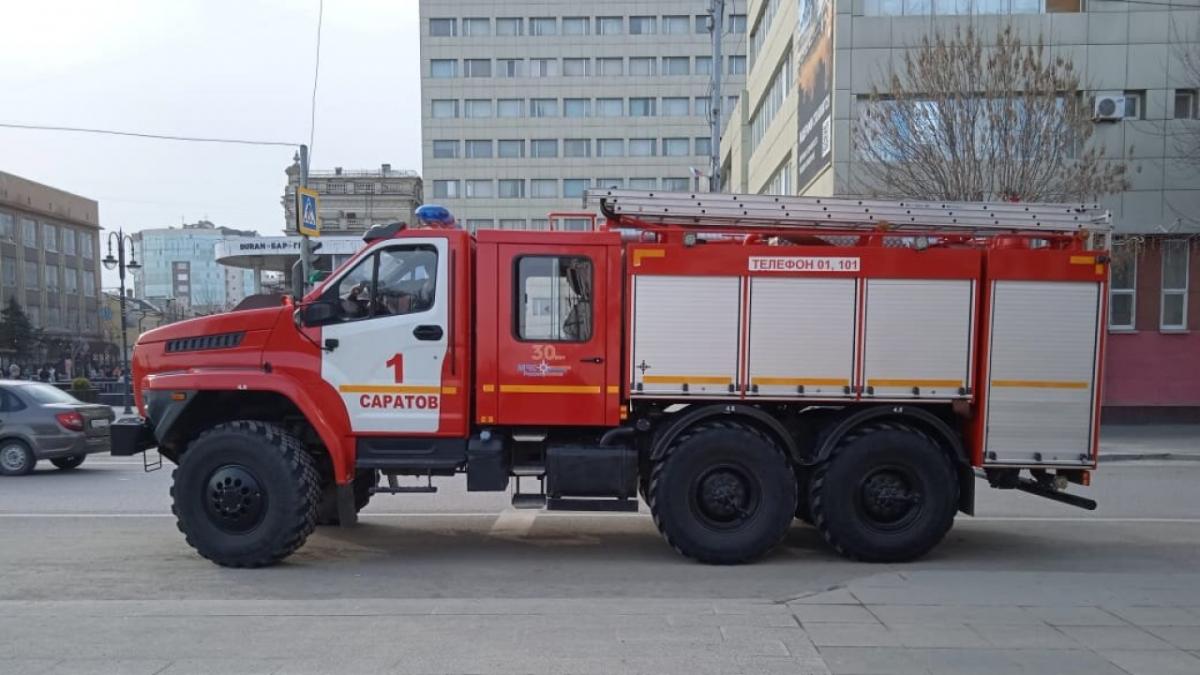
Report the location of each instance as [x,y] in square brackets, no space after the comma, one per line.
[1109,107]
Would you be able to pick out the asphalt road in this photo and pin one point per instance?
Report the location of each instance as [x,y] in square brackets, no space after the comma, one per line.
[94,577]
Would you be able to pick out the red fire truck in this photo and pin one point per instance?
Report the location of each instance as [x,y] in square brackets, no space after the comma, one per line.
[736,361]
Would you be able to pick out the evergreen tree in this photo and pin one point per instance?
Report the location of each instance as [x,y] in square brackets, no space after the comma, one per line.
[17,334]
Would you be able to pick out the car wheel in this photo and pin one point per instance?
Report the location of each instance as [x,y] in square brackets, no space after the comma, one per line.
[245,494]
[68,463]
[16,459]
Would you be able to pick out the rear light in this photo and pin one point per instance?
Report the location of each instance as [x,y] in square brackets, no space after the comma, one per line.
[71,421]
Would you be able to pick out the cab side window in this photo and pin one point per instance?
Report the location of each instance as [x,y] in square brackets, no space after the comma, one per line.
[554,298]
[392,282]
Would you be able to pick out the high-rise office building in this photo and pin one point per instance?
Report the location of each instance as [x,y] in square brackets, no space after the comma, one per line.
[526,104]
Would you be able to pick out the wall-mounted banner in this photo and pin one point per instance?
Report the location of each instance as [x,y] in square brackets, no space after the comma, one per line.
[814,86]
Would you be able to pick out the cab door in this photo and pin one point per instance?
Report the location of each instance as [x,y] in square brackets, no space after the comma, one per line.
[551,334]
[390,339]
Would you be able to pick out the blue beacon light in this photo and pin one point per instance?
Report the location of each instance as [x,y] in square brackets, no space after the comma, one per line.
[435,216]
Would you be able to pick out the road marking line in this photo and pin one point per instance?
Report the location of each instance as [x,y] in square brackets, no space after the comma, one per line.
[513,524]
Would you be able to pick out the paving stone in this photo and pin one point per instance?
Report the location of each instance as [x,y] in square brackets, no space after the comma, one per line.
[851,635]
[1156,616]
[26,666]
[836,596]
[953,614]
[833,614]
[794,639]
[1076,616]
[1114,637]
[1175,662]
[1061,662]
[107,666]
[936,635]
[764,620]
[231,666]
[955,661]
[874,661]
[1183,637]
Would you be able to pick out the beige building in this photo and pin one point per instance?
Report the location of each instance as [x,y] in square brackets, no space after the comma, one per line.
[351,201]
[526,104]
[50,256]
[812,62]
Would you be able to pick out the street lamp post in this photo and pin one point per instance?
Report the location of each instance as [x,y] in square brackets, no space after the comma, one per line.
[121,265]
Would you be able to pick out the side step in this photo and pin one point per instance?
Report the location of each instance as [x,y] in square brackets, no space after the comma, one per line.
[567,504]
[528,501]
[394,488]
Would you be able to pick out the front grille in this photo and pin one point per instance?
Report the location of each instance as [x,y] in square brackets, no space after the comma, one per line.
[204,342]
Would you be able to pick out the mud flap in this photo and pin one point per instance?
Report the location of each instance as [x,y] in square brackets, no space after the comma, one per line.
[347,514]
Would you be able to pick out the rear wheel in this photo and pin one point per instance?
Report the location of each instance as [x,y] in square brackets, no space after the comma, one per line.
[723,493]
[364,480]
[245,494]
[68,463]
[888,493]
[16,459]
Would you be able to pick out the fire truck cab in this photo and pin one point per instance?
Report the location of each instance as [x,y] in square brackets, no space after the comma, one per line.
[736,361]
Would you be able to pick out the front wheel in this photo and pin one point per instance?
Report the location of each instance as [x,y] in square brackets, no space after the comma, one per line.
[723,493]
[68,463]
[888,493]
[245,494]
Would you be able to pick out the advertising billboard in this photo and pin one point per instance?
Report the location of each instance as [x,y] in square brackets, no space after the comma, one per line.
[813,54]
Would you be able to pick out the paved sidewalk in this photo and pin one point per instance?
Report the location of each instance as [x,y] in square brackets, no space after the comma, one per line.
[1141,442]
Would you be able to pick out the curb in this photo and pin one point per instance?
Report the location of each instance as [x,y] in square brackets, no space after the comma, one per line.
[1148,457]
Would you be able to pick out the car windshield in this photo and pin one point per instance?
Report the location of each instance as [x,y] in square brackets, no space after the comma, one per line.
[44,393]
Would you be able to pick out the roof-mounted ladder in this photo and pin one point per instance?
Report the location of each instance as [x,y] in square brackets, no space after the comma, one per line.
[632,208]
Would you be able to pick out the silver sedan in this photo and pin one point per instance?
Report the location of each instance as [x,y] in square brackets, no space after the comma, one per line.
[39,421]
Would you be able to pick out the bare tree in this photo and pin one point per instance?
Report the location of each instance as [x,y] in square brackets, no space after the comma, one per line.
[970,120]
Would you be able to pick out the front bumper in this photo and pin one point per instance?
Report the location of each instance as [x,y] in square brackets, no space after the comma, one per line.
[131,436]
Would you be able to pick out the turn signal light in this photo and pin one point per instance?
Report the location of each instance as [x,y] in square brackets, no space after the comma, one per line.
[71,421]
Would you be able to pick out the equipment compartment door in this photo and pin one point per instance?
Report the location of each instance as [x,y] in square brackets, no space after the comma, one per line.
[802,336]
[685,334]
[552,335]
[1043,347]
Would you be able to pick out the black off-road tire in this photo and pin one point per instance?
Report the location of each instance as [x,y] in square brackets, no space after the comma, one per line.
[19,450]
[68,463]
[286,502]
[364,480]
[870,459]
[717,458]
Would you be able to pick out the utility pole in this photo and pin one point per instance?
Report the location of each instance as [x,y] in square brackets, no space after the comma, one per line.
[302,268]
[716,22]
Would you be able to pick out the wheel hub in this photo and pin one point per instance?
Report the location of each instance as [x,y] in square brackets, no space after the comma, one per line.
[13,458]
[888,497]
[724,496]
[234,499]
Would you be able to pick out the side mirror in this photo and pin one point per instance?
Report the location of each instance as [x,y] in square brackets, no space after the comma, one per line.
[318,313]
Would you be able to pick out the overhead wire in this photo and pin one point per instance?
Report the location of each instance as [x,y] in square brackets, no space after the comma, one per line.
[312,118]
[143,134]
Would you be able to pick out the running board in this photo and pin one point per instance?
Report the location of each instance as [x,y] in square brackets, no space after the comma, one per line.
[394,488]
[1035,488]
[564,504]
[528,501]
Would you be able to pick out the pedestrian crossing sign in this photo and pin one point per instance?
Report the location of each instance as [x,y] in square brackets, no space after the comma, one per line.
[307,222]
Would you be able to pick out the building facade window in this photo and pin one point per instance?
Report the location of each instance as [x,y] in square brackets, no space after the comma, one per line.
[676,106]
[477,27]
[478,189]
[615,183]
[543,188]
[543,67]
[577,107]
[508,68]
[479,149]
[1175,257]
[68,241]
[642,66]
[703,65]
[676,147]
[676,65]
[610,147]
[642,107]
[609,25]
[642,147]
[610,107]
[50,237]
[576,67]
[477,224]
[443,28]
[509,26]
[677,24]
[1122,288]
[510,107]
[510,148]
[8,227]
[543,148]
[89,285]
[511,188]
[478,107]
[772,101]
[763,26]
[703,146]
[959,7]
[737,23]
[477,67]
[33,280]
[443,108]
[9,264]
[445,149]
[677,184]
[780,182]
[642,25]
[52,278]
[610,65]
[543,107]
[737,65]
[1185,104]
[443,68]
[577,147]
[574,187]
[576,25]
[29,231]
[543,25]
[643,183]
[513,223]
[445,189]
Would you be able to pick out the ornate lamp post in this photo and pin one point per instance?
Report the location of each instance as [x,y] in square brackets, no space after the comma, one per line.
[121,265]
